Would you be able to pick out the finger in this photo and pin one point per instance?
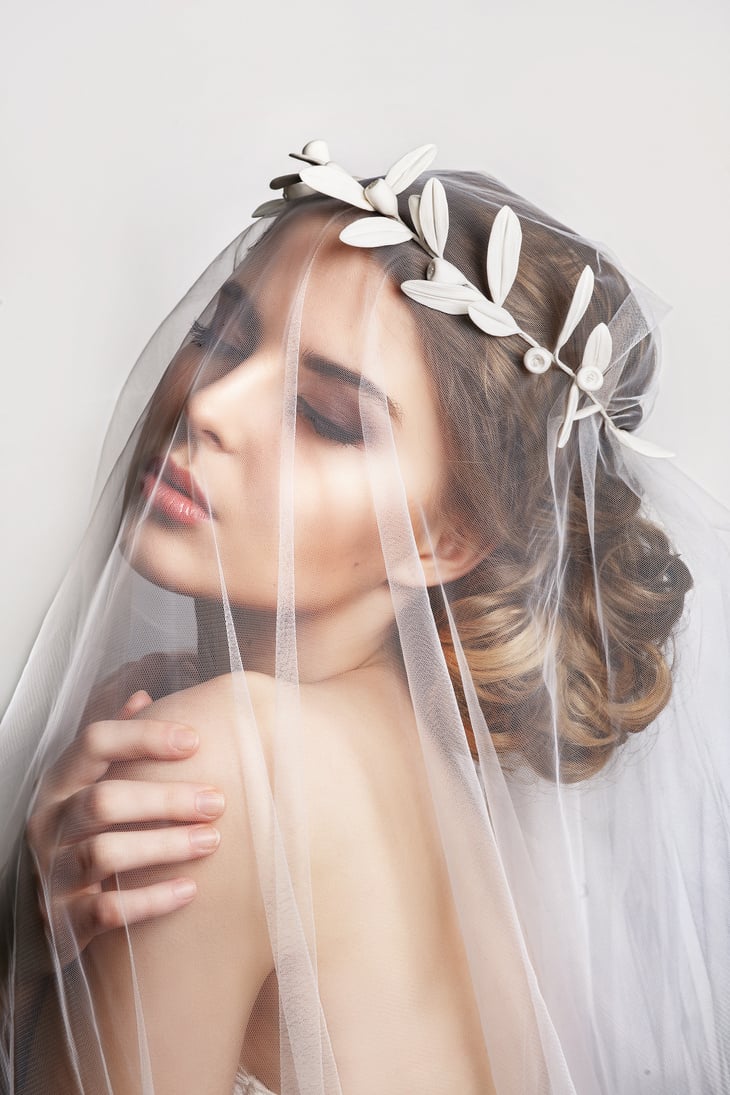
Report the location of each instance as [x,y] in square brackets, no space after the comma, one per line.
[88,758]
[117,801]
[115,908]
[94,912]
[102,743]
[135,704]
[80,865]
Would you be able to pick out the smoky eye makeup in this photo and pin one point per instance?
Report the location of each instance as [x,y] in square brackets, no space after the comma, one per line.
[329,397]
[341,379]
[328,426]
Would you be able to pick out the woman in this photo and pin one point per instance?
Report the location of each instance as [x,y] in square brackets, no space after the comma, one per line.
[418,604]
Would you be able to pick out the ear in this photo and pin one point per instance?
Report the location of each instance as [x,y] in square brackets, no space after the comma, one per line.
[452,554]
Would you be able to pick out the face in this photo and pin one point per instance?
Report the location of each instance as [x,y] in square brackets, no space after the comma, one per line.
[211,497]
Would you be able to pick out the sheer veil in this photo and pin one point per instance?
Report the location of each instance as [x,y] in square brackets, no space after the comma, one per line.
[298,554]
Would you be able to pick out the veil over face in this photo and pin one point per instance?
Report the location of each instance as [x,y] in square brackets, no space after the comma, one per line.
[459,679]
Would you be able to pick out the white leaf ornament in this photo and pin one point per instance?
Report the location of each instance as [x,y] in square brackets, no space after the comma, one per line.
[382,198]
[596,357]
[639,444]
[573,396]
[592,408]
[453,299]
[492,319]
[409,167]
[503,253]
[298,190]
[414,201]
[599,346]
[433,214]
[269,208]
[284,180]
[441,270]
[313,152]
[375,232]
[579,303]
[333,181]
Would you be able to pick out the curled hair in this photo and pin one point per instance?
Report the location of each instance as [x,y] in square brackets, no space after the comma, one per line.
[603,593]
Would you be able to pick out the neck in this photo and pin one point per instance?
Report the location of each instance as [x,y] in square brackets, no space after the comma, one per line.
[329,642]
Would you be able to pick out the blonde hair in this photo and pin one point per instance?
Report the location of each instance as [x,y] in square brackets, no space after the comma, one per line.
[500,488]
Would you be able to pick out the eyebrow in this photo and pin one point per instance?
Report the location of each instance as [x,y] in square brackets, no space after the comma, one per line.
[232,293]
[236,293]
[325,367]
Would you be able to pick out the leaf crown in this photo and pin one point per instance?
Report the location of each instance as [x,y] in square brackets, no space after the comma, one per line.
[445,288]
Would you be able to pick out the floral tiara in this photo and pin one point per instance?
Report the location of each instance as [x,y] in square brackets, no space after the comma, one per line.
[446,288]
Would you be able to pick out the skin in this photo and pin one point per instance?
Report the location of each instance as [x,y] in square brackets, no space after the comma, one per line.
[76,797]
[230,443]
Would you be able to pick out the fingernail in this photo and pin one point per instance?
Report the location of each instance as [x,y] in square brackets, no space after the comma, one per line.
[209,803]
[184,738]
[205,837]
[185,889]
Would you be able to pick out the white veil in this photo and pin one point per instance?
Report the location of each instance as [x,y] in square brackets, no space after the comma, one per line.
[564,690]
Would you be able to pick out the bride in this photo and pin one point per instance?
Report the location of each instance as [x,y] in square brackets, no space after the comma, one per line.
[398,610]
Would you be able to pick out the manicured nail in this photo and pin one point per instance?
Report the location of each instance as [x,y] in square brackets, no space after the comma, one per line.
[210,803]
[184,738]
[205,838]
[184,889]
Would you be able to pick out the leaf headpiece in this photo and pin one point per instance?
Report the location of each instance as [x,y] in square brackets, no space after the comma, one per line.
[445,288]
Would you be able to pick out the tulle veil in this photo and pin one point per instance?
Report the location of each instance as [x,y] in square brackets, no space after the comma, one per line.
[588,869]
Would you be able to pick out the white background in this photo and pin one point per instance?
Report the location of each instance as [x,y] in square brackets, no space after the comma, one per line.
[137,138]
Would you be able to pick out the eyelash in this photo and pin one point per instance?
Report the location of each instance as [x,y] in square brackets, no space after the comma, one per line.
[321,425]
[202,338]
[325,428]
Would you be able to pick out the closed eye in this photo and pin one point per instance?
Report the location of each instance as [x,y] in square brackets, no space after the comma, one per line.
[325,427]
[206,339]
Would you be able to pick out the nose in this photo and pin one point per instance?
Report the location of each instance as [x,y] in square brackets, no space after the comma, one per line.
[240,410]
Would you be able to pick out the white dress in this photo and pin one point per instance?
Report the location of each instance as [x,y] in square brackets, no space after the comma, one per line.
[248,1084]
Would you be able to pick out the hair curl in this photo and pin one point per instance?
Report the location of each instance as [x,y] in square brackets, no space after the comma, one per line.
[609,610]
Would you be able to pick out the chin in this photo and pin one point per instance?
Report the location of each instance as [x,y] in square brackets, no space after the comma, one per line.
[185,561]
[169,557]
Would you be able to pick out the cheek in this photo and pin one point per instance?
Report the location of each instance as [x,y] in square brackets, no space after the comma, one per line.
[337,550]
[421,464]
[183,562]
[336,508]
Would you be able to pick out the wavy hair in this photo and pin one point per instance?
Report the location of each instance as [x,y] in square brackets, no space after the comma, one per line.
[609,592]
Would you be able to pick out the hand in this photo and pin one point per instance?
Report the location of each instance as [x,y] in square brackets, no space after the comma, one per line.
[77,846]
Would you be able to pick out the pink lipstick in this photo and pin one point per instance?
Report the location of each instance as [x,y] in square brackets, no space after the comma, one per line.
[172,491]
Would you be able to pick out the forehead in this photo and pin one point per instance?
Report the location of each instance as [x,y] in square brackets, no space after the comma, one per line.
[348,302]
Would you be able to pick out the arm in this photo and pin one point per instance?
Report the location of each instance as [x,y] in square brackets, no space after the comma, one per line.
[199,971]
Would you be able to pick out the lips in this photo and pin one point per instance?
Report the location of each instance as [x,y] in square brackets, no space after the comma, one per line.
[172,491]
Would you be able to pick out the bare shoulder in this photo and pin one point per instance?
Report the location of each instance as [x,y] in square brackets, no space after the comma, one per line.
[354,729]
[351,740]
[220,697]
[363,776]
[226,712]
